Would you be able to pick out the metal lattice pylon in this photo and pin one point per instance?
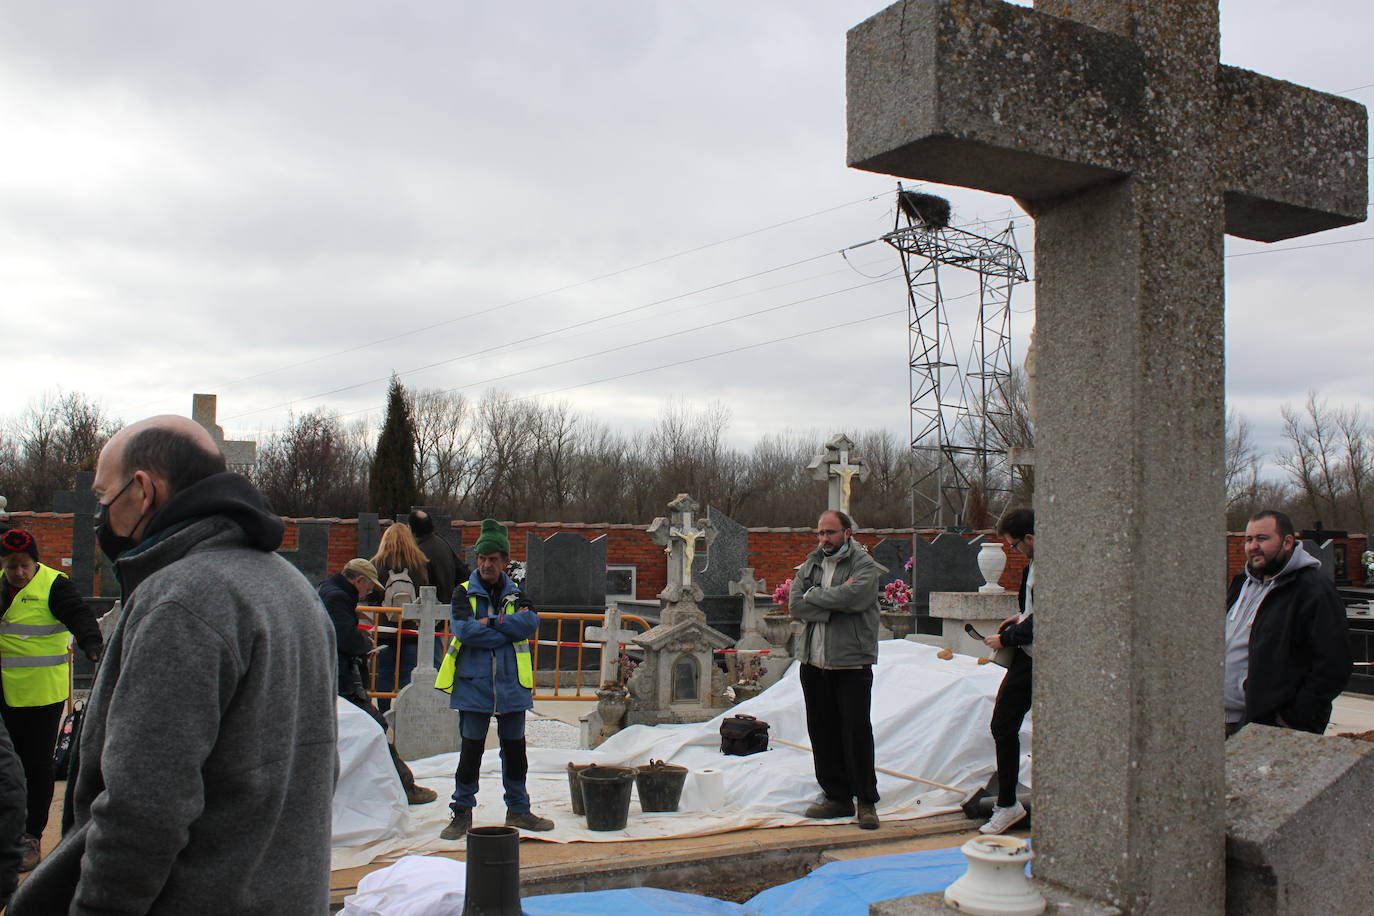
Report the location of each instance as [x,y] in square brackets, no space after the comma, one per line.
[953,409]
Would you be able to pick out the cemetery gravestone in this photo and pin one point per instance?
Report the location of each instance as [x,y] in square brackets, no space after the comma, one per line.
[82,504]
[566,572]
[369,534]
[311,554]
[717,567]
[1134,151]
[947,564]
[420,717]
[838,467]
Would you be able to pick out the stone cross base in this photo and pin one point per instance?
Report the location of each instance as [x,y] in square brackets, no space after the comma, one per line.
[421,719]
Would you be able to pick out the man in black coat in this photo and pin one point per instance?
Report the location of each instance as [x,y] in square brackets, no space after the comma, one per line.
[446,568]
[1287,643]
[1017,529]
[340,594]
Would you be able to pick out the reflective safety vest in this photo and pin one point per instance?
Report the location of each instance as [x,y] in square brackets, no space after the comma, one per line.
[524,667]
[33,646]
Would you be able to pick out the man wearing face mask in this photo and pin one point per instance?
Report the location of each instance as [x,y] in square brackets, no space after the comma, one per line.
[206,762]
[836,594]
[1287,642]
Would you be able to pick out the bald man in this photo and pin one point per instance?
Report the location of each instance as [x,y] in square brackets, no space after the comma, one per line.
[206,761]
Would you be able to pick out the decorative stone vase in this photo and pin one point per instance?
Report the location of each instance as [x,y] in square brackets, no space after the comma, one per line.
[991,561]
[776,628]
[899,621]
[995,883]
[746,692]
[612,703]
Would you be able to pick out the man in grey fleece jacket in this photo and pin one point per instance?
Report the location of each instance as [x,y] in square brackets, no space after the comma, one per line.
[206,761]
[836,594]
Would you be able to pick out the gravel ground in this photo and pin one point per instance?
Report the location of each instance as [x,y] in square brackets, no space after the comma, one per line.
[541,732]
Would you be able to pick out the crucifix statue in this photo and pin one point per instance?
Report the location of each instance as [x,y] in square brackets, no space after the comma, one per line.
[1117,129]
[747,587]
[839,467]
[678,535]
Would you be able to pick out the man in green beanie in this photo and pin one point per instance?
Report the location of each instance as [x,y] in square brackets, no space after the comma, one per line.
[489,671]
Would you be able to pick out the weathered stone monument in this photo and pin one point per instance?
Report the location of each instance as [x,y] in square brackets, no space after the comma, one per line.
[716,567]
[241,456]
[1135,152]
[838,466]
[678,680]
[421,721]
[566,572]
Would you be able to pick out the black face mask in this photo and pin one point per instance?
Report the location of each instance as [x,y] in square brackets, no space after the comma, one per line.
[111,544]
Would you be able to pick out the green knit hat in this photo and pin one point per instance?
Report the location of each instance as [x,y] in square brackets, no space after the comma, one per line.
[492,539]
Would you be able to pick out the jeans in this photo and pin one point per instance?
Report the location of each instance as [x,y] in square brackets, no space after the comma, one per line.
[510,730]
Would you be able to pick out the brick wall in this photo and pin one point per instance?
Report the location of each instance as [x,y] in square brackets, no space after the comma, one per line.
[773,552]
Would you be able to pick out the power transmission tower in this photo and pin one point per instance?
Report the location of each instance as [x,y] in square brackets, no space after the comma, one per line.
[955,409]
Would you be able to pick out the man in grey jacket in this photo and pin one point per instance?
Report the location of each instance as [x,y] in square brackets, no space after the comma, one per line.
[836,594]
[207,758]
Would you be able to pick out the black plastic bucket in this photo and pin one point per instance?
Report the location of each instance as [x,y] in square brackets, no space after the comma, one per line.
[660,786]
[493,874]
[606,796]
[575,786]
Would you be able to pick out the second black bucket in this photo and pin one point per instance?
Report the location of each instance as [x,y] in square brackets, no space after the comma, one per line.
[575,785]
[606,796]
[660,786]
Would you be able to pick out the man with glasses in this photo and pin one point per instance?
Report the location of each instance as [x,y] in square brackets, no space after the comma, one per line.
[1017,529]
[835,594]
[206,763]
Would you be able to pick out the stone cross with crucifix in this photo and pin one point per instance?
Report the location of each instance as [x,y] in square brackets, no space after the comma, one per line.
[1115,126]
[838,466]
[612,637]
[678,535]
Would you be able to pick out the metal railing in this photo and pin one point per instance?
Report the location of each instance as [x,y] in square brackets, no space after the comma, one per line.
[573,674]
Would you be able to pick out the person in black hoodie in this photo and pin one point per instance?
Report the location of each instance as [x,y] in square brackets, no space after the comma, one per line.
[207,757]
[1287,641]
[1017,529]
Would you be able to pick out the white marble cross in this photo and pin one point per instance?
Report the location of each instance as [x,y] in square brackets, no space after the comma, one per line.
[612,637]
[836,466]
[747,586]
[429,612]
[678,535]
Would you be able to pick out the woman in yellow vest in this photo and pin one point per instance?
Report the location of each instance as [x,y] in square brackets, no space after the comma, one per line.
[41,611]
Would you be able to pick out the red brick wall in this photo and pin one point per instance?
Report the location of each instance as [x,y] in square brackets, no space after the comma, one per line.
[773,552]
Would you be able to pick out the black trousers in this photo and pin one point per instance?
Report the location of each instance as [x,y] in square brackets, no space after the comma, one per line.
[837,720]
[364,702]
[34,732]
[1008,712]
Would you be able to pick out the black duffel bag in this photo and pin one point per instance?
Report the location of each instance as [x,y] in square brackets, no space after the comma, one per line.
[742,735]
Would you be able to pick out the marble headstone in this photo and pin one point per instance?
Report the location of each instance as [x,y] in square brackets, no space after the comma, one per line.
[565,571]
[311,555]
[947,564]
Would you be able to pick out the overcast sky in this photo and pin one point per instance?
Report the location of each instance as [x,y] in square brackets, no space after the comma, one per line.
[283,203]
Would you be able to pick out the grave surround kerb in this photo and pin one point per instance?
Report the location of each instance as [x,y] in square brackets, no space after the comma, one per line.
[1135,151]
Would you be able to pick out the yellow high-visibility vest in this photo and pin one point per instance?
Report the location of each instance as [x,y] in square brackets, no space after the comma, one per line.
[33,646]
[524,667]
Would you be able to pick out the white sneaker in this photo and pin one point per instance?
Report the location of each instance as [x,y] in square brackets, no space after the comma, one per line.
[1003,819]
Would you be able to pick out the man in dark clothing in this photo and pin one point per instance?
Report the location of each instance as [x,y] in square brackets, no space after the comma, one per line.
[340,594]
[446,568]
[208,752]
[1287,642]
[1017,529]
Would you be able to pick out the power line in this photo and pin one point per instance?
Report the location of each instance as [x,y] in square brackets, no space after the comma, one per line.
[1246,254]
[549,292]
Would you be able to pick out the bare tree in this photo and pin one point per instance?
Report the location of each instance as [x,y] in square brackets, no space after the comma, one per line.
[445,458]
[53,438]
[315,467]
[1357,461]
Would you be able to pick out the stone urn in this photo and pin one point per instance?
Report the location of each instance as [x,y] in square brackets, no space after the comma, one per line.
[991,561]
[899,620]
[746,691]
[776,628]
[612,702]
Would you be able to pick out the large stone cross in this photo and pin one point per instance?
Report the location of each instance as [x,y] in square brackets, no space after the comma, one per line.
[1135,151]
[678,535]
[747,587]
[612,637]
[420,717]
[838,467]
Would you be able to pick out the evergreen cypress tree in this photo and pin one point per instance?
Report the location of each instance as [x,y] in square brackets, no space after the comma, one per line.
[391,488]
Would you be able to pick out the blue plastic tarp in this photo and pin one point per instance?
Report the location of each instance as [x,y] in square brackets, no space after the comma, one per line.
[837,889]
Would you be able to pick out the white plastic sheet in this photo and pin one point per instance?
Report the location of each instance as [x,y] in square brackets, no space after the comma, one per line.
[369,805]
[414,886]
[930,719]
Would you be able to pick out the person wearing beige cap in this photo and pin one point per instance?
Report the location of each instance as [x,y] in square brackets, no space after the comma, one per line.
[340,594]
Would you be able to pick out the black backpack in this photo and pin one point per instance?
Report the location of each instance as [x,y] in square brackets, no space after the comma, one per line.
[742,735]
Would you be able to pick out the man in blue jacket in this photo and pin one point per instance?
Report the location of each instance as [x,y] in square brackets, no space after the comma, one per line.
[492,623]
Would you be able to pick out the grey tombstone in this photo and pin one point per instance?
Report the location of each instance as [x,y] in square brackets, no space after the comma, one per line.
[1325,552]
[611,636]
[80,501]
[1299,825]
[421,721]
[311,555]
[715,568]
[947,564]
[893,553]
[838,467]
[1135,151]
[369,534]
[566,572]
[747,587]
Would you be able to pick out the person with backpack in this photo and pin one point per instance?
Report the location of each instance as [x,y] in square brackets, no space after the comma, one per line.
[402,569]
[340,594]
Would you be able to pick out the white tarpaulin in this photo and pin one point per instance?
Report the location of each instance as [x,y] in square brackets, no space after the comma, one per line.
[369,805]
[930,719]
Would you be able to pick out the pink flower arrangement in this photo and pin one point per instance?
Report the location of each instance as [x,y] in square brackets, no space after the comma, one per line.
[782,592]
[897,594]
